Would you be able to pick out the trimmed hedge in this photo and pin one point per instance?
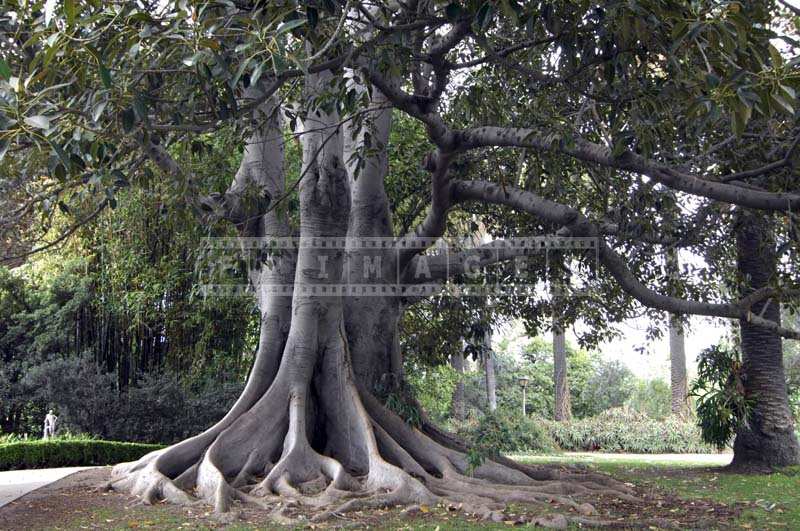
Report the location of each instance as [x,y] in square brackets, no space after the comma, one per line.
[54,453]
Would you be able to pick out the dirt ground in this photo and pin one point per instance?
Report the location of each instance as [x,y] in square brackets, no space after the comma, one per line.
[76,503]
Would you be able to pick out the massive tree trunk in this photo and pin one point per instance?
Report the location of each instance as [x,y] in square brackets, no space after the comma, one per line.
[311,426]
[562,406]
[677,351]
[768,439]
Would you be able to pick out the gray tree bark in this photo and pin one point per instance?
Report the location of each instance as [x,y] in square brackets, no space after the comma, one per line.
[488,368]
[679,387]
[563,405]
[768,439]
[677,362]
[459,406]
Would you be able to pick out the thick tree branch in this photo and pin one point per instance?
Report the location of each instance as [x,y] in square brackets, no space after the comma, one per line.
[578,225]
[434,223]
[595,153]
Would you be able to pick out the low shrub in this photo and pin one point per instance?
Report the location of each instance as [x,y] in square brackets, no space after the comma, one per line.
[722,406]
[499,433]
[623,430]
[71,451]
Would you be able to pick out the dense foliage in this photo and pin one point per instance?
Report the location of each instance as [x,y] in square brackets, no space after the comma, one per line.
[500,433]
[116,312]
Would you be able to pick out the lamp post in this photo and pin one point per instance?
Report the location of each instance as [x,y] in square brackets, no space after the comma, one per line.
[523,381]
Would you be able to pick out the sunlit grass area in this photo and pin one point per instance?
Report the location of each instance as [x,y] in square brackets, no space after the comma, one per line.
[768,501]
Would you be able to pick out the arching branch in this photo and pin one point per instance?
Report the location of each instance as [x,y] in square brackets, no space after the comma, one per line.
[577,224]
[434,223]
[668,176]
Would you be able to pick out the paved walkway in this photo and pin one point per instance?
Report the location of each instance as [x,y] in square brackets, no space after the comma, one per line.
[706,459]
[17,483]
[647,459]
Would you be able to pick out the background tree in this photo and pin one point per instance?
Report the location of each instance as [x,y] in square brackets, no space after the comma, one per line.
[679,383]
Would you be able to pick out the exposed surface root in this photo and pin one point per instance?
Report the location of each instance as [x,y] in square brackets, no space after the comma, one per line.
[371,459]
[405,467]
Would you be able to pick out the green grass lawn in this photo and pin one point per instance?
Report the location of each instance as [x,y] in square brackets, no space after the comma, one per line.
[772,501]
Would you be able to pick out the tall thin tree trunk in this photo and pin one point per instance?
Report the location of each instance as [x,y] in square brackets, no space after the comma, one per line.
[768,439]
[677,365]
[677,351]
[563,406]
[488,367]
[459,407]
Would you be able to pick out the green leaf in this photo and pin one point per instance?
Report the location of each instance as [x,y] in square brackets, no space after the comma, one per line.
[256,74]
[783,104]
[105,75]
[128,119]
[139,107]
[484,15]
[5,70]
[789,92]
[239,72]
[62,156]
[70,11]
[193,60]
[289,25]
[509,11]
[38,121]
[679,29]
[97,112]
[775,55]
[739,118]
[453,11]
[60,172]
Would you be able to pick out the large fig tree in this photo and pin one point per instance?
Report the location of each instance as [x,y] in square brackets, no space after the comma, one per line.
[621,105]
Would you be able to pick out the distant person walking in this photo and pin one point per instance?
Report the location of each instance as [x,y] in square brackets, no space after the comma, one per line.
[50,421]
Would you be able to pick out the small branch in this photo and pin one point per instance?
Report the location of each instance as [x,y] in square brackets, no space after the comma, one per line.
[784,162]
[69,232]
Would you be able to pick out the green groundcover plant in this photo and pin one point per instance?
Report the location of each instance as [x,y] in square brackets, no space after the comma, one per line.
[623,430]
[615,430]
